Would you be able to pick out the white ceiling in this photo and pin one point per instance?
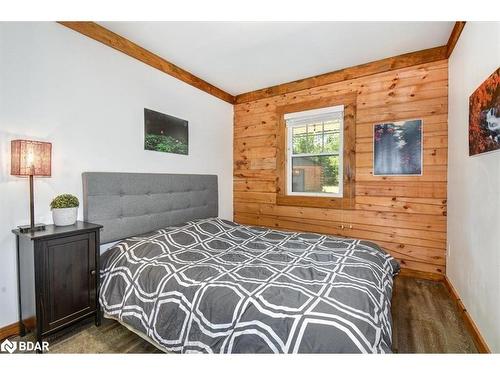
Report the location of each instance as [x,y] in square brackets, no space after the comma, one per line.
[244,56]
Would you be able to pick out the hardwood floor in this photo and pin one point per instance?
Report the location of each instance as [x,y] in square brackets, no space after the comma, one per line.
[425,320]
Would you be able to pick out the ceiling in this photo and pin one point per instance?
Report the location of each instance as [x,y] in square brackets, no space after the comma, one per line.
[244,56]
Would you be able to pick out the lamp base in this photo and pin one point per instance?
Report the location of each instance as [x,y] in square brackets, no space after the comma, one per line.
[27,228]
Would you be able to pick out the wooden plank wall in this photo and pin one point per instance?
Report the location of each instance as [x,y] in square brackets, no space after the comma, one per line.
[405,215]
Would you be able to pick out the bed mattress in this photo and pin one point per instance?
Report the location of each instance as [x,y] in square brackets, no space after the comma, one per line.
[214,286]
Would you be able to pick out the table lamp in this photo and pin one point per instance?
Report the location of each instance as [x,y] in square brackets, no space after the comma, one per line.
[31,158]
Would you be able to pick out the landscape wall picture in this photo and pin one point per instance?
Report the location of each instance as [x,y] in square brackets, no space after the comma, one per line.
[484,116]
[397,148]
[165,133]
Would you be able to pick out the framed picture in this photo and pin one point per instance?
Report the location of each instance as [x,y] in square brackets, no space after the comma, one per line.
[165,133]
[484,116]
[397,148]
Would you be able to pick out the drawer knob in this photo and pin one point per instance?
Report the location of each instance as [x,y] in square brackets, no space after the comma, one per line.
[92,273]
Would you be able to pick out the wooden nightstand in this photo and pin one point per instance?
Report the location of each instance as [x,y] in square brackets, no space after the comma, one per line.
[58,277]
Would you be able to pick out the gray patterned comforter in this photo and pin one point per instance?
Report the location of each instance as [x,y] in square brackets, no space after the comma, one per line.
[215,286]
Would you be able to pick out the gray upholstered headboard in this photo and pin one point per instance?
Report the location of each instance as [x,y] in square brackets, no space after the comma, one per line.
[129,204]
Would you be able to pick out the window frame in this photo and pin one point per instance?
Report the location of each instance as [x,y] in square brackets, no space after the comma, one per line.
[348,155]
[291,155]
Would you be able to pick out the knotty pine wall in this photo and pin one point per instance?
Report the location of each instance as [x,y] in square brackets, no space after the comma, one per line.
[404,215]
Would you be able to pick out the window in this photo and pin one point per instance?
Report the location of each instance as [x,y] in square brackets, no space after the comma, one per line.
[314,152]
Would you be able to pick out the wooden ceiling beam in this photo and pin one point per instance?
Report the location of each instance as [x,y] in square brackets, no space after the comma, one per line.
[113,40]
[455,34]
[374,67]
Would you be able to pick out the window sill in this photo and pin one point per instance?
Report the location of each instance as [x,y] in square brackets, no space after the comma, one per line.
[317,202]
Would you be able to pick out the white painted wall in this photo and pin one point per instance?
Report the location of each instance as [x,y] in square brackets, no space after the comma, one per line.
[88,100]
[473,262]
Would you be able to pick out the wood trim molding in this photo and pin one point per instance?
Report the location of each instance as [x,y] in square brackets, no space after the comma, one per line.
[113,40]
[455,34]
[407,272]
[14,329]
[374,67]
[9,331]
[349,158]
[479,341]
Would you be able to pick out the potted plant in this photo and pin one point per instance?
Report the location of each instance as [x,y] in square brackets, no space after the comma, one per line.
[64,209]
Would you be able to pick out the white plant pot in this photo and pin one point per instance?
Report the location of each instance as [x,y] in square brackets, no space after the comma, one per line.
[64,216]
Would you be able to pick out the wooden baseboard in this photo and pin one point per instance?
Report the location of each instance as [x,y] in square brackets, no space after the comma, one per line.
[13,329]
[9,331]
[421,274]
[479,341]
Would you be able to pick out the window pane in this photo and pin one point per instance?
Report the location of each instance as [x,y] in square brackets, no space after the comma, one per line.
[332,136]
[300,140]
[316,138]
[315,174]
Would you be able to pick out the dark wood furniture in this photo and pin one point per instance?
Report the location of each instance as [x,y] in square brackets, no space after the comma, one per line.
[58,277]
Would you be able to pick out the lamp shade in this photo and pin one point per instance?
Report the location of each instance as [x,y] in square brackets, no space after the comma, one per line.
[30,158]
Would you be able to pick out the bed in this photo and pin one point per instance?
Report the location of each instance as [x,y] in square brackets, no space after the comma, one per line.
[188,281]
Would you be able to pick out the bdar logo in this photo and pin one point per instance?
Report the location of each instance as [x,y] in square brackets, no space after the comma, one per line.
[8,346]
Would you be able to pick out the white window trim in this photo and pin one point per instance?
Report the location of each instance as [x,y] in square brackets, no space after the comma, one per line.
[311,113]
[297,119]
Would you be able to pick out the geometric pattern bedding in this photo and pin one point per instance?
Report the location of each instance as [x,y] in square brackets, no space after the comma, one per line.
[214,286]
